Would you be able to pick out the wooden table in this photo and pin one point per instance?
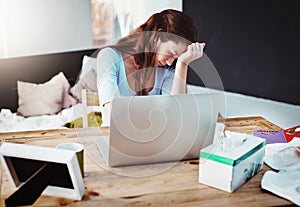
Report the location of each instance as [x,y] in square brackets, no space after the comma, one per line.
[174,184]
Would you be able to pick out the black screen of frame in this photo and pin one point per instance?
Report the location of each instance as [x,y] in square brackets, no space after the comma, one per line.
[21,169]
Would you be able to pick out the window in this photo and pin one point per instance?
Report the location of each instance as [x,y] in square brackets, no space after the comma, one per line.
[102,21]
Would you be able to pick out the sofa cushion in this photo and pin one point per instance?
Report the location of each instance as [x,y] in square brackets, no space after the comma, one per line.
[43,99]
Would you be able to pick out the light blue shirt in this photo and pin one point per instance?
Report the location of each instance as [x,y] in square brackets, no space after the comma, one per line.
[112,80]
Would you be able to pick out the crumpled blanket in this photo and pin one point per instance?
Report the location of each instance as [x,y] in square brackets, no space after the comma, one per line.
[12,122]
[8,119]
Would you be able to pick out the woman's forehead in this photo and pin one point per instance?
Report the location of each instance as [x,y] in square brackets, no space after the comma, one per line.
[177,47]
[172,44]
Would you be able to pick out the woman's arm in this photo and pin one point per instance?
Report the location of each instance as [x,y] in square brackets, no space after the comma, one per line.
[193,52]
[107,70]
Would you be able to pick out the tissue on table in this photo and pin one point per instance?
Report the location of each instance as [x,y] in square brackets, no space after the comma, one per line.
[282,155]
[230,163]
[286,158]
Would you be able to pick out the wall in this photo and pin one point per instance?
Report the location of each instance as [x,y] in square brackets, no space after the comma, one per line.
[29,27]
[37,27]
[254,45]
[2,39]
[143,9]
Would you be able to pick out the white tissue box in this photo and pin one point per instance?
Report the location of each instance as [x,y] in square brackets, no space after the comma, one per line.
[229,167]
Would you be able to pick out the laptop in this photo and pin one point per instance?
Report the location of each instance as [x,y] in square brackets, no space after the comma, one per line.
[162,128]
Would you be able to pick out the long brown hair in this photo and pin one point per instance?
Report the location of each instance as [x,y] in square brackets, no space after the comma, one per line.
[142,42]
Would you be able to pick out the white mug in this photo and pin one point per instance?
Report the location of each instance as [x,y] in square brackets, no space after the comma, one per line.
[78,149]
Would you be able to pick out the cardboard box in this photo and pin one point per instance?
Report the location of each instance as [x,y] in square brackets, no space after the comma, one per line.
[271,136]
[230,163]
[278,136]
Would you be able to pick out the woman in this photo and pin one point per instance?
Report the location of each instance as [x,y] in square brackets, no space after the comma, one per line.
[153,59]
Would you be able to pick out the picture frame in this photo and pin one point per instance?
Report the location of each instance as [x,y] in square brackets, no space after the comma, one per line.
[21,162]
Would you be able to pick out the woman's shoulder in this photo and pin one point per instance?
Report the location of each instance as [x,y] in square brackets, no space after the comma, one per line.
[110,51]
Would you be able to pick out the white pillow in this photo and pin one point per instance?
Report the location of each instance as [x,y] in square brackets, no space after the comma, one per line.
[88,63]
[89,82]
[68,99]
[40,99]
[46,98]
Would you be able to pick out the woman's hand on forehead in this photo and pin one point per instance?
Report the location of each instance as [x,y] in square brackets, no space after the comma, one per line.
[193,52]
